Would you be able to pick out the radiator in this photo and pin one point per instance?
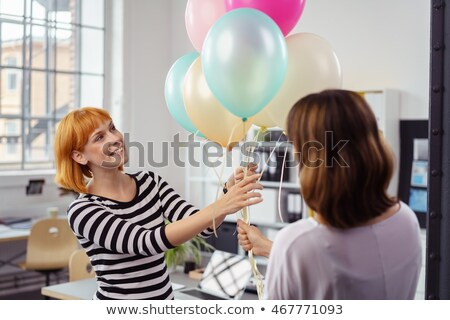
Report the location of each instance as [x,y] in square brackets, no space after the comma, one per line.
[24,281]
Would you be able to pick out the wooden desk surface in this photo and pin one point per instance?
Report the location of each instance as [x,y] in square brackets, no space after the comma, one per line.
[75,290]
[10,234]
[85,289]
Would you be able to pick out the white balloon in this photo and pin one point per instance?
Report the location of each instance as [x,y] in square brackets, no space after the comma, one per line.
[312,67]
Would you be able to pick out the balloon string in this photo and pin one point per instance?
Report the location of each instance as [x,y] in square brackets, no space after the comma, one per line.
[268,158]
[246,217]
[260,130]
[218,189]
[257,274]
[280,185]
[219,177]
[245,211]
[217,174]
[196,133]
[232,133]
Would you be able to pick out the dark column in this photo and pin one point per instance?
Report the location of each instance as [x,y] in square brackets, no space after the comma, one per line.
[438,218]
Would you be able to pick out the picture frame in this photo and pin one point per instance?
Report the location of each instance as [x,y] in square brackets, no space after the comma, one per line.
[413,167]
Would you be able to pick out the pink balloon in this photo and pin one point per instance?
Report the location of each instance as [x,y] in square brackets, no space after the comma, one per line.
[200,15]
[285,13]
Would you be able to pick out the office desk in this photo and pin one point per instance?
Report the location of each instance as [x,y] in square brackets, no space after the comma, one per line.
[75,290]
[85,289]
[9,234]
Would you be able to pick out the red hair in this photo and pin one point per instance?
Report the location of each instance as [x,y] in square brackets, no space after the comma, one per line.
[72,134]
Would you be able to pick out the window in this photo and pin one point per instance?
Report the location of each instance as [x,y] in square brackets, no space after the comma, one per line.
[11,61]
[11,137]
[51,62]
[12,81]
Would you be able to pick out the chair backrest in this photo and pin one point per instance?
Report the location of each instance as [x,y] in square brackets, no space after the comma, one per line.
[50,244]
[80,266]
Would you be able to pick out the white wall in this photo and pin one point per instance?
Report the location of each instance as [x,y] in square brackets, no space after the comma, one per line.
[15,202]
[147,59]
[154,37]
[380,44]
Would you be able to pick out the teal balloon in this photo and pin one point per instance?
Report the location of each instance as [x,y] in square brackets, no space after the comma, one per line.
[244,60]
[173,92]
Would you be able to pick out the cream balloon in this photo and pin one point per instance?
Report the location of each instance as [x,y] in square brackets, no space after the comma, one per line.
[205,111]
[312,67]
[264,120]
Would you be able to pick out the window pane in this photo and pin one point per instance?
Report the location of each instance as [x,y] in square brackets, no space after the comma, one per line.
[12,42]
[38,134]
[91,91]
[11,82]
[91,50]
[38,47]
[10,60]
[38,10]
[65,93]
[38,94]
[65,13]
[10,143]
[92,13]
[51,48]
[11,91]
[50,8]
[12,7]
[65,50]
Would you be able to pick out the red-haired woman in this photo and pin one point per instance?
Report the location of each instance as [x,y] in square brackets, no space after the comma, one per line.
[119,218]
[361,243]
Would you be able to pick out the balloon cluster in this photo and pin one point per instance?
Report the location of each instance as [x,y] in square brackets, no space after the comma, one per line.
[249,70]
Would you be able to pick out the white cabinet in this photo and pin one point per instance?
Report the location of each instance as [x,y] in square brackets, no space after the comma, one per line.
[202,184]
[385,105]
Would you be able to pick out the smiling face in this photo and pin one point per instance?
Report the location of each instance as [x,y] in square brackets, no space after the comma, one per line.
[104,149]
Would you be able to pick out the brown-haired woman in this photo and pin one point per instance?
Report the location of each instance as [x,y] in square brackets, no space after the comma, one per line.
[119,218]
[361,243]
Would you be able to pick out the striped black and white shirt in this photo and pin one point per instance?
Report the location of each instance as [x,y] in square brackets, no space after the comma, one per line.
[126,241]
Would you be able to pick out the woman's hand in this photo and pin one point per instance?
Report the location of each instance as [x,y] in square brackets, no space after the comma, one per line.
[241,195]
[237,197]
[251,238]
[238,174]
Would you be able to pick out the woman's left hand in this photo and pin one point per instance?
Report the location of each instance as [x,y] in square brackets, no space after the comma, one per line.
[238,174]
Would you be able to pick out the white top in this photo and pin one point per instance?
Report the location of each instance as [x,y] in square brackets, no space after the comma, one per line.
[314,261]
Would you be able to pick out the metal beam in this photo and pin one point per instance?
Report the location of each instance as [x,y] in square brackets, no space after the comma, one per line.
[438,219]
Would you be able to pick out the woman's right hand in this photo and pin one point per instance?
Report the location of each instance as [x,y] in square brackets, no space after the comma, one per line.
[241,195]
[251,238]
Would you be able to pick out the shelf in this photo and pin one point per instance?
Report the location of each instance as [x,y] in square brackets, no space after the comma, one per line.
[276,184]
[273,144]
[267,184]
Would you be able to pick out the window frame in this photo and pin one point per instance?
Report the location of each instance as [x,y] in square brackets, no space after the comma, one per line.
[24,82]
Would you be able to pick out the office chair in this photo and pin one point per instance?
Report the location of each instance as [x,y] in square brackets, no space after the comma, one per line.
[50,245]
[80,266]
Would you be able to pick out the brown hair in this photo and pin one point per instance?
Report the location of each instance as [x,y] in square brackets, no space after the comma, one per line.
[72,134]
[345,164]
